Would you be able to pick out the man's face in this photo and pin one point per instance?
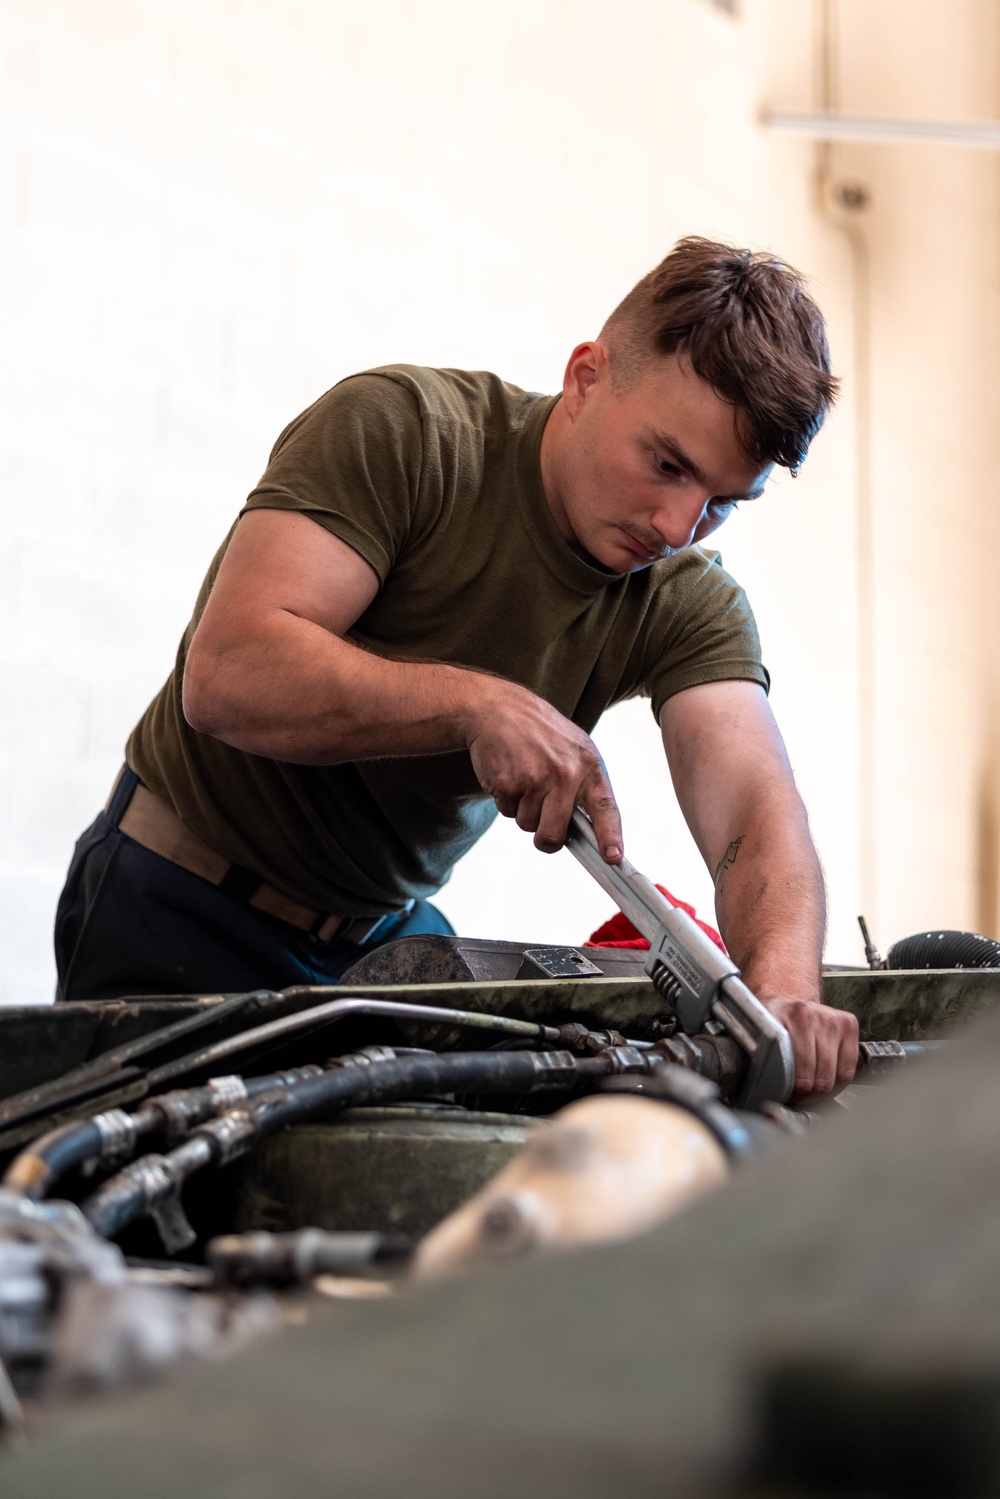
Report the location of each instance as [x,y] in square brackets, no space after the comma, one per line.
[635,475]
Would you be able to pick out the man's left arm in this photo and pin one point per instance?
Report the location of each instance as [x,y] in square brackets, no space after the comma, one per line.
[736,790]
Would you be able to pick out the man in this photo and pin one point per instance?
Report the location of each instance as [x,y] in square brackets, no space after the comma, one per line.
[435,590]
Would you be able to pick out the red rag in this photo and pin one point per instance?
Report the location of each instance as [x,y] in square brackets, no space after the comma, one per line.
[619,931]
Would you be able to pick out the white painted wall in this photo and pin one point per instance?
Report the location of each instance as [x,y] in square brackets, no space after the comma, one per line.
[211,211]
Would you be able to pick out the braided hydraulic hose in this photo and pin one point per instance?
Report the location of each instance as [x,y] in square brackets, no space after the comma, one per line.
[149,1182]
[111,1137]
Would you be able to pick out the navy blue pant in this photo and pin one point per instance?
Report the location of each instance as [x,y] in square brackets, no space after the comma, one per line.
[131,922]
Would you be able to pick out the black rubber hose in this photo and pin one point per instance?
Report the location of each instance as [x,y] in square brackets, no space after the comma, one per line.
[60,1152]
[457,1072]
[136,1190]
[151,1180]
[944,950]
[52,1155]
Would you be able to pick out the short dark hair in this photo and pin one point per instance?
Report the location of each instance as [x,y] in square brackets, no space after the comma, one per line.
[748,326]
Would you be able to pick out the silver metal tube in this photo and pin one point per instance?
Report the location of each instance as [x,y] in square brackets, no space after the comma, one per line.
[339,1009]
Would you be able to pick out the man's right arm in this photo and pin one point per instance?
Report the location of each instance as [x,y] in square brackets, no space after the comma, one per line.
[268,671]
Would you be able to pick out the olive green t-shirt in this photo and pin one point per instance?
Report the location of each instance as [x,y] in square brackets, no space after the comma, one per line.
[434,477]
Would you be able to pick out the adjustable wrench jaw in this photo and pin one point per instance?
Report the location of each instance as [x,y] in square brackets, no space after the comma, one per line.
[700,982]
[771,1073]
[703,987]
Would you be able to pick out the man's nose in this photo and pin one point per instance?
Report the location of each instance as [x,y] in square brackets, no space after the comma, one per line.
[678,520]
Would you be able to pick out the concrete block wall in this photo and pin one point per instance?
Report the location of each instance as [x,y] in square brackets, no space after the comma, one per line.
[209,212]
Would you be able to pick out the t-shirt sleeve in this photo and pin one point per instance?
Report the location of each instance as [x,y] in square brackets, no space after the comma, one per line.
[353,462]
[701,629]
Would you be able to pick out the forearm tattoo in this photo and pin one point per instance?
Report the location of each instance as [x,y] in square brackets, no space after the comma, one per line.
[725,863]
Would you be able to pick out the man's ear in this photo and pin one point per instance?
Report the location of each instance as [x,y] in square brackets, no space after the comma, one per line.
[588,364]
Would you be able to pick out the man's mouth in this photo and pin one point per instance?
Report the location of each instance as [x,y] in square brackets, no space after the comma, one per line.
[640,549]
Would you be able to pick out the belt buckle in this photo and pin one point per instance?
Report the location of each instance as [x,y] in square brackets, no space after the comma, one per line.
[357,930]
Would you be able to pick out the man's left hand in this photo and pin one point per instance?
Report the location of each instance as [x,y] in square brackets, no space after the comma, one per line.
[824,1043]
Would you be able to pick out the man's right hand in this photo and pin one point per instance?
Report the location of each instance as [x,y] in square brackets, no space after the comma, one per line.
[538,766]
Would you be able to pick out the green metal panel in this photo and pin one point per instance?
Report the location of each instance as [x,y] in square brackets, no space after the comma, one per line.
[392,1170]
[912,1004]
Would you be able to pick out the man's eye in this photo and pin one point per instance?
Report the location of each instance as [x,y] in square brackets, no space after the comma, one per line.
[666,467]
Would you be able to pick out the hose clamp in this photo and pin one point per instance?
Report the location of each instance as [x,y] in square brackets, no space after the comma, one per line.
[154,1178]
[158,1181]
[228,1091]
[118,1135]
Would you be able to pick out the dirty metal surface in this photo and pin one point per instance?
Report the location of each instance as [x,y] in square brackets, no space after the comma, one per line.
[623,1372]
[432,959]
[43,1041]
[912,1004]
[902,1005]
[392,1170]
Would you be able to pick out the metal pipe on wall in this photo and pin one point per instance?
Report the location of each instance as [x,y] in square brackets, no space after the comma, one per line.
[829,124]
[841,203]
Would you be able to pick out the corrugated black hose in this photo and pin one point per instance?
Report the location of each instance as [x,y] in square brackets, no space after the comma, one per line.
[944,950]
[149,1182]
